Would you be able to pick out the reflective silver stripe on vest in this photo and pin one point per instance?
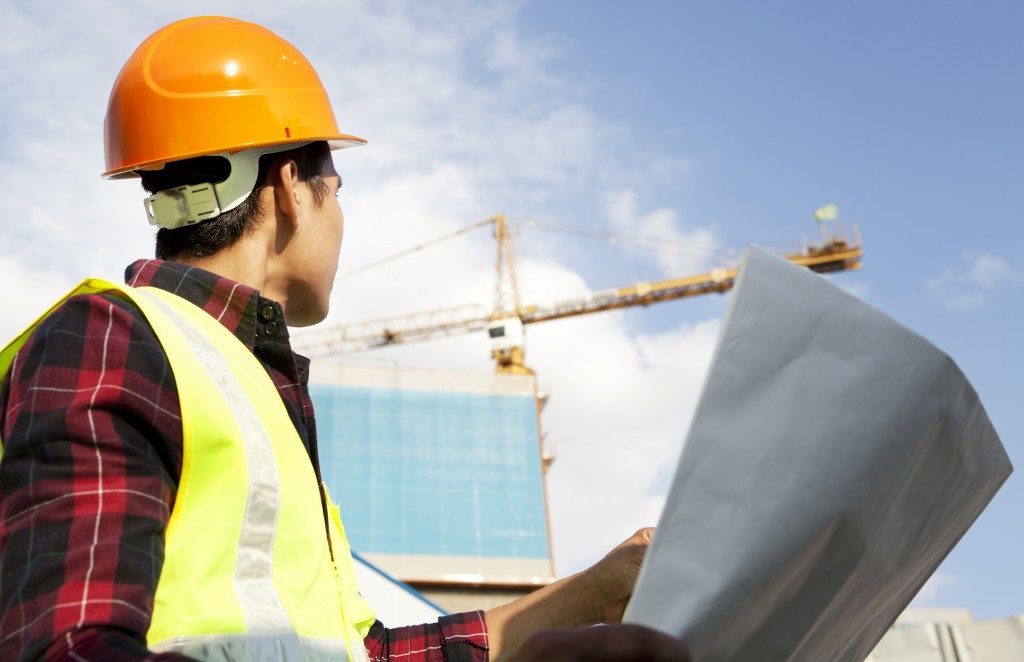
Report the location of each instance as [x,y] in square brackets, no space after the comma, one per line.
[254,563]
[258,648]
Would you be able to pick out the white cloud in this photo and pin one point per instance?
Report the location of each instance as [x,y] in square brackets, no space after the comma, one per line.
[966,286]
[990,271]
[466,116]
[934,590]
[659,234]
[619,410]
[27,292]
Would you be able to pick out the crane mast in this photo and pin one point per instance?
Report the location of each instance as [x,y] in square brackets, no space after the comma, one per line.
[505,321]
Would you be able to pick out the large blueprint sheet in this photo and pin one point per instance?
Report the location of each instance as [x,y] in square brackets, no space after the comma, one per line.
[835,458]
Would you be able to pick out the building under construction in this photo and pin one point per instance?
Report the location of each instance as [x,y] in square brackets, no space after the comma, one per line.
[446,469]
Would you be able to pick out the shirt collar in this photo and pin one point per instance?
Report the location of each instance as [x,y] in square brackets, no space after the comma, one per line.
[250,316]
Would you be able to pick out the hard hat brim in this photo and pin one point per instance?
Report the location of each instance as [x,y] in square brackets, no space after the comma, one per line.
[336,141]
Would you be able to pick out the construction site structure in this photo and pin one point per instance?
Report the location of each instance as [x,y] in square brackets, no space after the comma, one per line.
[950,635]
[447,470]
[439,476]
[505,320]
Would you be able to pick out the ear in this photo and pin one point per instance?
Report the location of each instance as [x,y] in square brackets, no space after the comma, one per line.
[286,185]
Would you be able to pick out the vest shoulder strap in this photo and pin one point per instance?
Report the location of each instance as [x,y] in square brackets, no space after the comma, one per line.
[87,286]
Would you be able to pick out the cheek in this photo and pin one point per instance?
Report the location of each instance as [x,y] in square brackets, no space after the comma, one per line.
[340,234]
[333,247]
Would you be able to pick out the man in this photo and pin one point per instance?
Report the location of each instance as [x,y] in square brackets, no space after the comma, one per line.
[160,492]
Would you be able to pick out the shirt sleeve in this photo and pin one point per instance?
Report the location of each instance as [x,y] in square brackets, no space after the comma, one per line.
[454,638]
[91,430]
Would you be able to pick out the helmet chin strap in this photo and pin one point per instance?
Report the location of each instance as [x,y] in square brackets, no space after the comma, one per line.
[180,206]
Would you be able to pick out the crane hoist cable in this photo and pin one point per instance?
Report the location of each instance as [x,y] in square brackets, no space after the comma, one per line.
[644,242]
[413,249]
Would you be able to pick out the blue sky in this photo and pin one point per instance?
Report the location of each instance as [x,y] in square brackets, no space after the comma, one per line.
[712,124]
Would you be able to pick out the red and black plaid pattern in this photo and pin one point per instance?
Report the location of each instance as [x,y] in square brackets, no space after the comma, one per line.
[91,429]
[457,638]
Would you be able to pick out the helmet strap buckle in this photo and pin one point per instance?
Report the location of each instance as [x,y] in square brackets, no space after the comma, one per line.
[182,205]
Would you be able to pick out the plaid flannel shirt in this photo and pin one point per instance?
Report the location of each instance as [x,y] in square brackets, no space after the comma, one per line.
[91,427]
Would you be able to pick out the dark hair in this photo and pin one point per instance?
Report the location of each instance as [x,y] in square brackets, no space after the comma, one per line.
[207,238]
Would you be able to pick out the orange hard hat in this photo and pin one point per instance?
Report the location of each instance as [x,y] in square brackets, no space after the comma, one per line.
[210,85]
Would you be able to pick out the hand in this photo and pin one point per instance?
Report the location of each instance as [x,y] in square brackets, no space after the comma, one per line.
[602,643]
[615,575]
[598,594]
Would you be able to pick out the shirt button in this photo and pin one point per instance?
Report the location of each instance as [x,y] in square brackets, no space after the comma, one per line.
[271,329]
[267,312]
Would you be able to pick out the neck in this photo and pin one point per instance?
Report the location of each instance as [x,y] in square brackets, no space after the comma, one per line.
[247,261]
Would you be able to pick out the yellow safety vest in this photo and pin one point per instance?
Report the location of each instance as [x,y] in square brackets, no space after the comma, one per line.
[248,572]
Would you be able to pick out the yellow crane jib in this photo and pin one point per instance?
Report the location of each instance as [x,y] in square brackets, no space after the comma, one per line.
[506,320]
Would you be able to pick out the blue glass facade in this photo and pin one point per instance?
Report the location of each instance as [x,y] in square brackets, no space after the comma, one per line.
[433,473]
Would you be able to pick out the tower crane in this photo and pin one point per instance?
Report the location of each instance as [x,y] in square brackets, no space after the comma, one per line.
[504,322]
